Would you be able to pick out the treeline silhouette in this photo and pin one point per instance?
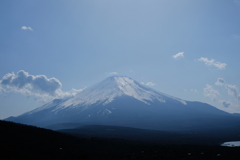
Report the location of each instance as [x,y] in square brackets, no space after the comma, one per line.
[19,141]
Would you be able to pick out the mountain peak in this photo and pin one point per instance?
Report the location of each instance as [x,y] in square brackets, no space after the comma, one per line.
[121,81]
[112,87]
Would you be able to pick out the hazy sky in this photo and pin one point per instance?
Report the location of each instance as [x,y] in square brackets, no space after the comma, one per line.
[50,49]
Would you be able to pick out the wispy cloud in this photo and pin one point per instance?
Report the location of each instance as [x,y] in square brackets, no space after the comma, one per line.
[208,91]
[150,84]
[193,90]
[213,62]
[178,55]
[190,90]
[220,82]
[2,90]
[112,73]
[27,28]
[233,91]
[184,89]
[39,85]
[235,36]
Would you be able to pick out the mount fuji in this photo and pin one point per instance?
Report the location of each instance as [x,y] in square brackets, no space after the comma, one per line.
[122,101]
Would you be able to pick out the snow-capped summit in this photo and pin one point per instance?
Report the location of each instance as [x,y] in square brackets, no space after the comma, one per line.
[116,86]
[122,101]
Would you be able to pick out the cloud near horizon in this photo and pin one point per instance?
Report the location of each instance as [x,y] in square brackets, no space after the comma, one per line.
[233,91]
[40,86]
[208,91]
[150,84]
[178,55]
[26,28]
[212,62]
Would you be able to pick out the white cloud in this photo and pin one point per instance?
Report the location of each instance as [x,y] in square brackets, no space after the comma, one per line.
[210,92]
[2,90]
[27,28]
[233,91]
[220,82]
[193,90]
[113,73]
[150,84]
[212,62]
[40,86]
[235,36]
[178,55]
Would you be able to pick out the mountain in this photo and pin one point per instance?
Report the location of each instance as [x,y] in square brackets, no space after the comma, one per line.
[122,101]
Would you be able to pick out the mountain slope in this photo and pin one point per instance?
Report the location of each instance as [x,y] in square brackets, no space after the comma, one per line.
[121,101]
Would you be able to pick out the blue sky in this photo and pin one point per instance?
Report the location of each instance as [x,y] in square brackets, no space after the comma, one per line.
[189,49]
